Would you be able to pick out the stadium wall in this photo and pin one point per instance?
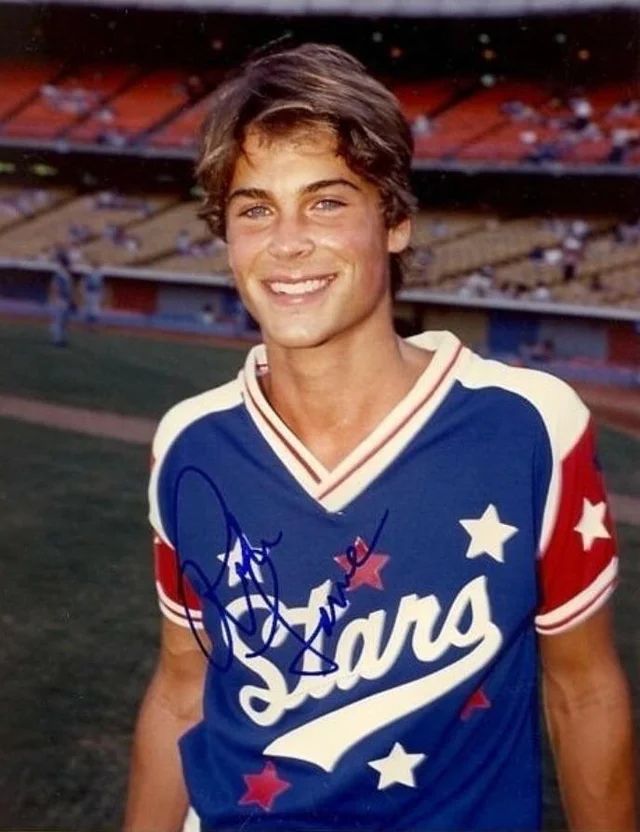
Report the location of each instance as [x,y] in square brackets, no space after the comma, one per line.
[597,344]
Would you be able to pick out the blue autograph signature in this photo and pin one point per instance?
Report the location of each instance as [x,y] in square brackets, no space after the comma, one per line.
[253,557]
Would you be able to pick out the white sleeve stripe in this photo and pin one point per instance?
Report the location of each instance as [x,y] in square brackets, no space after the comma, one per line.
[595,605]
[568,611]
[183,621]
[175,607]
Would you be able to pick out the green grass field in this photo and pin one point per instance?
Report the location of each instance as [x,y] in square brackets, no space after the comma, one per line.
[108,370]
[79,624]
[77,604]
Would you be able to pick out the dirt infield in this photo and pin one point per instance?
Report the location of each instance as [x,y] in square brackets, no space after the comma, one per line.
[617,408]
[78,419]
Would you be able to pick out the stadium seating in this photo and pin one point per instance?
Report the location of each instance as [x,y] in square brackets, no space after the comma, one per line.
[499,121]
[435,229]
[20,81]
[553,124]
[472,117]
[74,96]
[183,131]
[152,99]
[152,239]
[418,98]
[20,206]
[52,227]
[497,242]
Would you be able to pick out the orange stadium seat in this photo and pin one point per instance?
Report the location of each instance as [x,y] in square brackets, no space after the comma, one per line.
[43,118]
[506,143]
[20,81]
[425,97]
[601,98]
[474,116]
[183,131]
[151,99]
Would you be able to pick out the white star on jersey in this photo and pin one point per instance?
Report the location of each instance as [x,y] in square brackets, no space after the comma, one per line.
[234,561]
[591,525]
[488,535]
[397,767]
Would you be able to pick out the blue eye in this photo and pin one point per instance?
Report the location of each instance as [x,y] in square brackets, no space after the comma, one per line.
[328,204]
[255,212]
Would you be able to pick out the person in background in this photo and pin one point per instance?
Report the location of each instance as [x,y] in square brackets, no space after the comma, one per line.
[92,291]
[62,300]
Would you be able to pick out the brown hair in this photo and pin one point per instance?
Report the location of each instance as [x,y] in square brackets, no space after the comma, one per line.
[307,85]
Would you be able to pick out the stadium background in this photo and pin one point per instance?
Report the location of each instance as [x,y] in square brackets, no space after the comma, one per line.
[527,124]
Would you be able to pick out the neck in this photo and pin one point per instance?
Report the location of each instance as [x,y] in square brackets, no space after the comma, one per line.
[332,396]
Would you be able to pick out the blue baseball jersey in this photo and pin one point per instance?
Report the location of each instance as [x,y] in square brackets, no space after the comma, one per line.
[374,626]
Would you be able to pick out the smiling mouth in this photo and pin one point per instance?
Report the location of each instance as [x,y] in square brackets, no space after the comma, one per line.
[298,288]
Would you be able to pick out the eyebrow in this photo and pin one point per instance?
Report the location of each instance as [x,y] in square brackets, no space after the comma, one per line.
[311,188]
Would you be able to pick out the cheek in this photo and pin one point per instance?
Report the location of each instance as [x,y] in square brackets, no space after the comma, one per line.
[241,252]
[356,243]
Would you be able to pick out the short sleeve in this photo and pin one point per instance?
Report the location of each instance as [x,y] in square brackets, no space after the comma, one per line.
[176,597]
[170,451]
[578,566]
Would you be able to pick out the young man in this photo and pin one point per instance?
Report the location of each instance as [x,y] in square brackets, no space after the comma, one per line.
[378,537]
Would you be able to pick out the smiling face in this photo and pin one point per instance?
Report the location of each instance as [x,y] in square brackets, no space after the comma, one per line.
[306,240]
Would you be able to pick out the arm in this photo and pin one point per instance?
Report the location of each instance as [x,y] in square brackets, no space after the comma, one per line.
[588,712]
[157,799]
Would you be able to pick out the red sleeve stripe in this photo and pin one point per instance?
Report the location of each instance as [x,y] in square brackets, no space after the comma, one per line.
[583,605]
[176,609]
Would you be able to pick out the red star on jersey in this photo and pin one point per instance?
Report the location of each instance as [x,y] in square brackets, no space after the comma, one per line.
[477,701]
[368,574]
[263,788]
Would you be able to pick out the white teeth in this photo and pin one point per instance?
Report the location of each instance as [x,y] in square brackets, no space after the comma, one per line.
[302,287]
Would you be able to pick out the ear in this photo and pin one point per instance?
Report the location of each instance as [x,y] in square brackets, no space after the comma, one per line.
[398,237]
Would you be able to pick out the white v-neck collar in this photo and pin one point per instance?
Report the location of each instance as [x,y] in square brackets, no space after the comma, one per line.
[336,488]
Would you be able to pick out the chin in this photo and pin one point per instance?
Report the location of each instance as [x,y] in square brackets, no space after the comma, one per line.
[295,337]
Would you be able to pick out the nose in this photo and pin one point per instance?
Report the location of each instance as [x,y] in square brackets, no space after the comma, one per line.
[290,238]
